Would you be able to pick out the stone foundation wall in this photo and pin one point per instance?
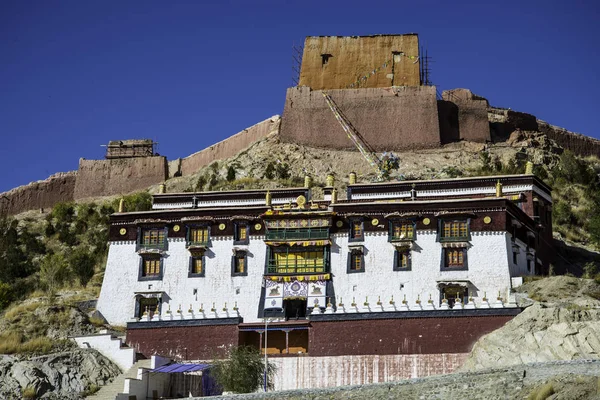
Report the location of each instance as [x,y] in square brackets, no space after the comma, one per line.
[228,147]
[41,194]
[203,342]
[418,335]
[97,178]
[388,118]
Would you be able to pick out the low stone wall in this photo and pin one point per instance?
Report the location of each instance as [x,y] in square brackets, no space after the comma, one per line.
[490,384]
[41,194]
[228,147]
[388,118]
[97,178]
[321,372]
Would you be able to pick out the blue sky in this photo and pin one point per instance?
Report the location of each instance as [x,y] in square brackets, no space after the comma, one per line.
[76,74]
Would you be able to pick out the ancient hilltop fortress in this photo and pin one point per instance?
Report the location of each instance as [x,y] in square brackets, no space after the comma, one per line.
[379,82]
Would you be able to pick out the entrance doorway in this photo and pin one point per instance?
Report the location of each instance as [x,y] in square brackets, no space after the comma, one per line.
[295,309]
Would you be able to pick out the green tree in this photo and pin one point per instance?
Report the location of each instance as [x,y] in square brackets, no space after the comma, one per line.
[270,171]
[283,171]
[53,272]
[81,263]
[230,174]
[243,371]
[6,295]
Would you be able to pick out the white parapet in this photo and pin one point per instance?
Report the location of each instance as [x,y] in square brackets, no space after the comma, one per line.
[110,347]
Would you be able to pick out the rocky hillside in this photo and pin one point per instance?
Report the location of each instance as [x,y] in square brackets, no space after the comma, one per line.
[561,322]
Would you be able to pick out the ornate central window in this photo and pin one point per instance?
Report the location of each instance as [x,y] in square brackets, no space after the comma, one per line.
[152,238]
[287,260]
[198,236]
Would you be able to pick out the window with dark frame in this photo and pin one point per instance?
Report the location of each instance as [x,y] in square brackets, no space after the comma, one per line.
[453,292]
[455,258]
[356,261]
[239,264]
[454,230]
[241,233]
[147,306]
[514,257]
[150,267]
[198,235]
[401,230]
[197,265]
[153,238]
[356,230]
[402,259]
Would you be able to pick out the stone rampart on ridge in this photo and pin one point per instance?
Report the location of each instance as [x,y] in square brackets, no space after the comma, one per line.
[226,148]
[393,118]
[97,178]
[41,194]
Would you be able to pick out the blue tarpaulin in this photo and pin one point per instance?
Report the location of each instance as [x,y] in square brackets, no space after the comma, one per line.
[179,368]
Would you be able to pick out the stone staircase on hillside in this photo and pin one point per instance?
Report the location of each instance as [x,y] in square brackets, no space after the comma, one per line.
[111,391]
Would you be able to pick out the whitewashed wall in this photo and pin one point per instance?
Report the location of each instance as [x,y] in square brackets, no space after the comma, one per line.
[117,297]
[488,269]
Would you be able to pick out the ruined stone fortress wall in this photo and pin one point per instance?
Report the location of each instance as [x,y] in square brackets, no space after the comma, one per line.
[335,62]
[226,148]
[388,118]
[41,194]
[97,178]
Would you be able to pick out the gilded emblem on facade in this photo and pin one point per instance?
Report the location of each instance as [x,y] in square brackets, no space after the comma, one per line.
[176,228]
[339,224]
[123,231]
[375,222]
[426,221]
[487,219]
[257,227]
[221,227]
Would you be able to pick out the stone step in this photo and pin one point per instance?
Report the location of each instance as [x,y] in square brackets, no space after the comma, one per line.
[110,391]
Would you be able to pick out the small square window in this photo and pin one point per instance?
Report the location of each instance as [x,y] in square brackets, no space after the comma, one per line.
[455,258]
[402,260]
[239,264]
[325,59]
[150,267]
[356,230]
[356,262]
[241,233]
[197,265]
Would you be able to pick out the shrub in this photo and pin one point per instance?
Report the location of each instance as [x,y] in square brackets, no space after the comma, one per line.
[200,183]
[590,270]
[81,263]
[283,171]
[244,371]
[141,201]
[230,174]
[53,272]
[63,212]
[6,295]
[562,213]
[270,171]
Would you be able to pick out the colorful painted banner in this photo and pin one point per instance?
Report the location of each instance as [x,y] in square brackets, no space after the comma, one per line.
[322,277]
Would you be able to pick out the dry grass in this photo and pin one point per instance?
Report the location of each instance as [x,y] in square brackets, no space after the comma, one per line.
[15,312]
[542,392]
[12,343]
[96,321]
[29,393]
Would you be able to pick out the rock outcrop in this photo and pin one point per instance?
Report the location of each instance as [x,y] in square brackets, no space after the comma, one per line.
[64,375]
[563,324]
